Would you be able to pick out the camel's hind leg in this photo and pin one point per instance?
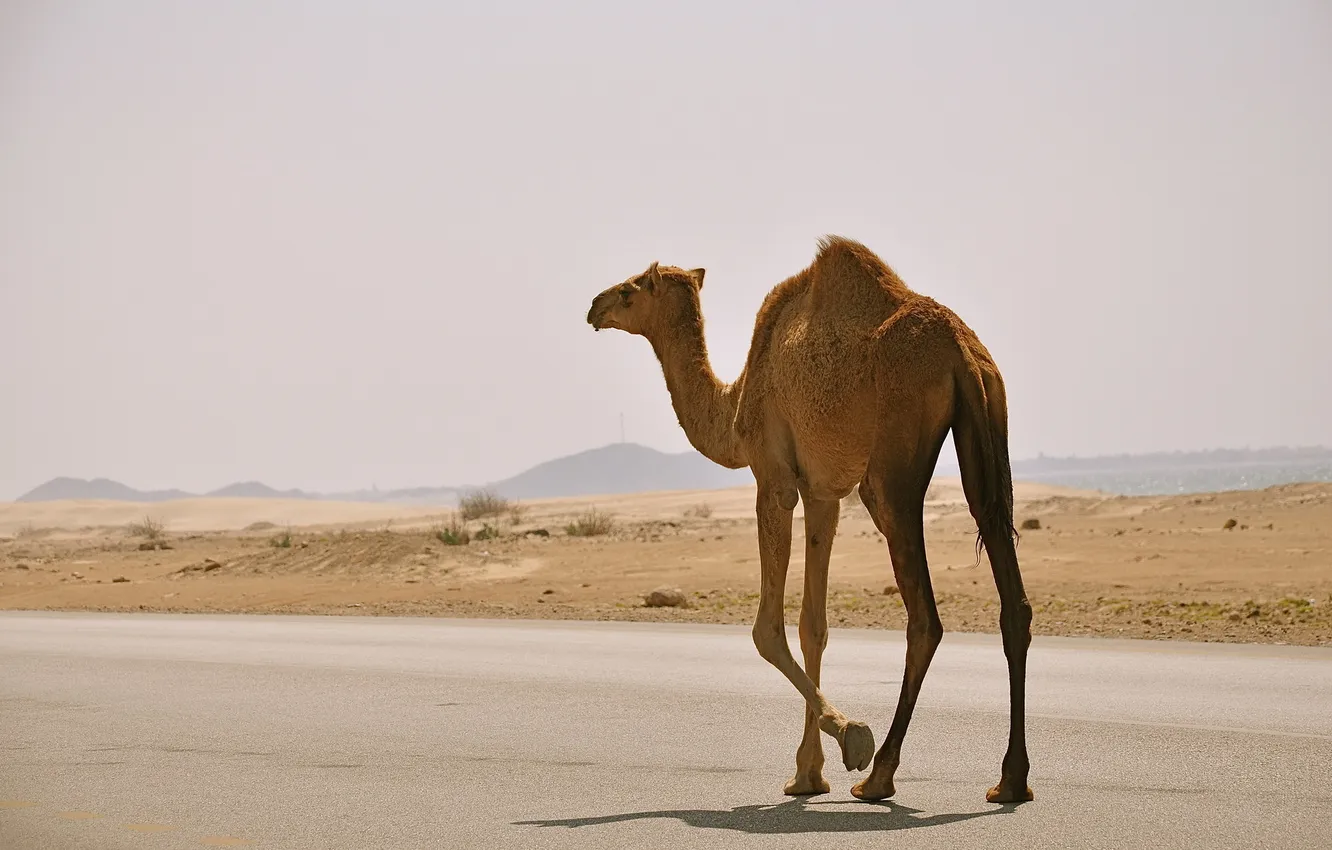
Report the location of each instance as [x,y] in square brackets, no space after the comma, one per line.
[896,505]
[774,508]
[820,528]
[1015,610]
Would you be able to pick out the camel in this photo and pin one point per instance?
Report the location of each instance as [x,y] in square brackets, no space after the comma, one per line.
[852,379]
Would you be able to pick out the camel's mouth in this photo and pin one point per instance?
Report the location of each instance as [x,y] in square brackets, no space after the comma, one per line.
[596,317]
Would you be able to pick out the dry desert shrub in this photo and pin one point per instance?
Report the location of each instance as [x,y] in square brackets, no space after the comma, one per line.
[147,528]
[591,523]
[479,504]
[702,511]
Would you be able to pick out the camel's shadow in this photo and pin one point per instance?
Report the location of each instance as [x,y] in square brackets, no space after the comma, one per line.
[798,815]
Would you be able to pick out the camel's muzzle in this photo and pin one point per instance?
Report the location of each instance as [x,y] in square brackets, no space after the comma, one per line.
[596,316]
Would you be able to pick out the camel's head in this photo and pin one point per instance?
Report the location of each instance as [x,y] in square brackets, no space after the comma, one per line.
[656,299]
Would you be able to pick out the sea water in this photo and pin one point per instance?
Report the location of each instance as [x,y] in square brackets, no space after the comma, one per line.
[1165,480]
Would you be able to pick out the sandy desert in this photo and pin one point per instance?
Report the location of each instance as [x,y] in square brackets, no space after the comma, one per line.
[1248,566]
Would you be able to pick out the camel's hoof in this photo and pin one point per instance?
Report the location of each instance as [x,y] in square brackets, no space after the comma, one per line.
[857,742]
[867,789]
[807,784]
[1008,794]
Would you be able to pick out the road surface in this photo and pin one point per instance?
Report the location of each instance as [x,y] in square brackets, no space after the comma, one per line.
[163,732]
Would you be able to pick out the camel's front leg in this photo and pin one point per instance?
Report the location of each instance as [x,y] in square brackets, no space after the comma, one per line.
[820,528]
[774,535]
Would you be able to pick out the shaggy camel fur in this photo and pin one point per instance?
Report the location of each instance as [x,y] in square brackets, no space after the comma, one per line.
[852,378]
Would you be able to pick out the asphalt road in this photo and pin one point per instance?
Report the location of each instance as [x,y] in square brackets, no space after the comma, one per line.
[186,731]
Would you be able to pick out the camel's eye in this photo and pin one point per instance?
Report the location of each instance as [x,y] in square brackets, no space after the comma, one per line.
[624,295]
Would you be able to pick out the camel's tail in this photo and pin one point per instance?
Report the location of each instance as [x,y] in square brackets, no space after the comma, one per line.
[980,431]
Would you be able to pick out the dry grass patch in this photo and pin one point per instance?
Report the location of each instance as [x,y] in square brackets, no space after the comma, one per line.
[591,523]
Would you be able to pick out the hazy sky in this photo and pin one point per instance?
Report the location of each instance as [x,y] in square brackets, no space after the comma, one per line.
[330,244]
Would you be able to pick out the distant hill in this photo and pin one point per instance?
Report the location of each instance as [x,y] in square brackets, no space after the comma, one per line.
[256,490]
[617,468]
[97,488]
[620,468]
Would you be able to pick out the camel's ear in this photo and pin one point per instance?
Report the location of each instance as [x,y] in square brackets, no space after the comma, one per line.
[653,278]
[697,275]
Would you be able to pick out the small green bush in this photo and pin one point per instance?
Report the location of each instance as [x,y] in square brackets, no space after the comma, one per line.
[488,532]
[452,533]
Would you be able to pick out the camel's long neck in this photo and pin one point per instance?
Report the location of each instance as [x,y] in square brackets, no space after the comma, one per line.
[704,405]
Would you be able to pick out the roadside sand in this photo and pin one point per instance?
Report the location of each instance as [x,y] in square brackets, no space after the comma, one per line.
[1157,567]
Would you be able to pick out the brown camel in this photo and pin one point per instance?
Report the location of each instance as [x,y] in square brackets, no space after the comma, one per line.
[852,378]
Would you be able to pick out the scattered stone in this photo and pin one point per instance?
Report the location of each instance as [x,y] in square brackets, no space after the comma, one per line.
[537,532]
[119,580]
[1235,617]
[413,581]
[1230,524]
[585,584]
[20,566]
[890,590]
[548,591]
[150,545]
[1032,524]
[77,574]
[207,566]
[666,597]
[1270,526]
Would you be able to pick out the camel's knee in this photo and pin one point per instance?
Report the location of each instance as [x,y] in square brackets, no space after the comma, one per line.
[769,640]
[814,632]
[924,631]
